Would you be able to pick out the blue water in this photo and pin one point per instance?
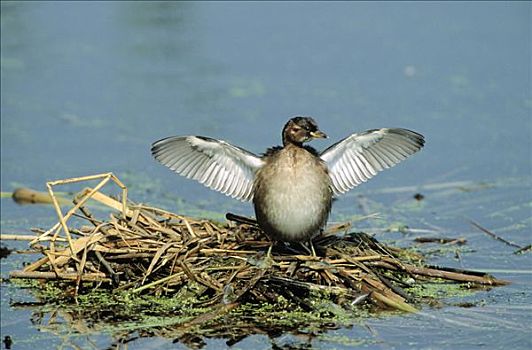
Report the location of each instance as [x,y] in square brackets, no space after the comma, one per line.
[86,87]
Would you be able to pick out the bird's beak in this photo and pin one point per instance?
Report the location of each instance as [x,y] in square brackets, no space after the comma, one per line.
[318,134]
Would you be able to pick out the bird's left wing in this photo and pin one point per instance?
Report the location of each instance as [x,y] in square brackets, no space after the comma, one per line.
[216,164]
[359,157]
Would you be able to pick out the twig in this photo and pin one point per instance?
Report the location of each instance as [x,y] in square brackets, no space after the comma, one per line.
[240,219]
[155,283]
[396,304]
[114,276]
[524,249]
[396,289]
[96,277]
[485,230]
[440,240]
[29,196]
[13,237]
[486,280]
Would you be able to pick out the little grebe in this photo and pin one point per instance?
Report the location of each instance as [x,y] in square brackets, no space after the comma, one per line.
[292,186]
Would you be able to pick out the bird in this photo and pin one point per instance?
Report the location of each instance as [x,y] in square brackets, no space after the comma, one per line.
[291,186]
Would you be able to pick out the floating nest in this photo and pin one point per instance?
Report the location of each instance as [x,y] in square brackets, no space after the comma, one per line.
[144,250]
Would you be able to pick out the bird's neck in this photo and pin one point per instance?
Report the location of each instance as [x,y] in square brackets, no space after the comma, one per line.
[288,141]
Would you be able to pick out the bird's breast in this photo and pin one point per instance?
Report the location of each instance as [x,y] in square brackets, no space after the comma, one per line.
[292,195]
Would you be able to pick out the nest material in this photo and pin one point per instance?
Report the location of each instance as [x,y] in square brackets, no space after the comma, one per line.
[144,249]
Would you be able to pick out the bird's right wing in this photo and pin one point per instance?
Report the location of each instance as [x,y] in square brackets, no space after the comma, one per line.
[216,164]
[359,157]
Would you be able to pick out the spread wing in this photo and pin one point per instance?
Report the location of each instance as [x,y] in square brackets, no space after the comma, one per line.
[214,163]
[359,157]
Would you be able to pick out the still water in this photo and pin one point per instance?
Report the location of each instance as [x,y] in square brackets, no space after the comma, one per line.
[86,87]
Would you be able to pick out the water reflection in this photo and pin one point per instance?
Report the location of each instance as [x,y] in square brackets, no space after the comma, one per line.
[108,329]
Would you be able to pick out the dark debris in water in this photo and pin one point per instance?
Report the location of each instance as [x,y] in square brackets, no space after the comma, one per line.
[419,197]
[7,342]
[4,252]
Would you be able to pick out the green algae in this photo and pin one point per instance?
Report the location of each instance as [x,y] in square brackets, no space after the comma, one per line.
[440,290]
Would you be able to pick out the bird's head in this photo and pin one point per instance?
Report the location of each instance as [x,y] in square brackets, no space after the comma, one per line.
[301,129]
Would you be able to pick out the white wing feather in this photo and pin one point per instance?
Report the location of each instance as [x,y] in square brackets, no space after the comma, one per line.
[214,163]
[359,157]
